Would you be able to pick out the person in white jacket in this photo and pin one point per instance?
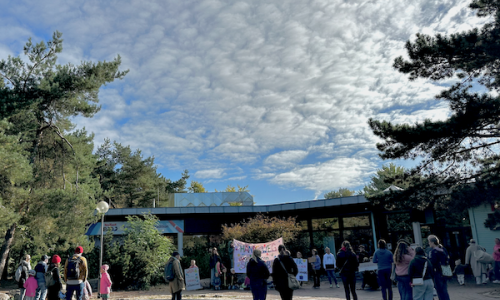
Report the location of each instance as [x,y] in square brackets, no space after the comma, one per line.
[329,264]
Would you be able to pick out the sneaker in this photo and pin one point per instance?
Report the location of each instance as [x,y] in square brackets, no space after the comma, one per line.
[337,285]
[331,285]
[496,281]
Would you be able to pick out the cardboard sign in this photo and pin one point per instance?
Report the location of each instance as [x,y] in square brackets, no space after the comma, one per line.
[302,266]
[192,279]
[243,251]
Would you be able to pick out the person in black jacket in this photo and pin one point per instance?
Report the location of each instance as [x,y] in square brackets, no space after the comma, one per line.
[258,273]
[53,290]
[419,269]
[214,259]
[280,275]
[348,263]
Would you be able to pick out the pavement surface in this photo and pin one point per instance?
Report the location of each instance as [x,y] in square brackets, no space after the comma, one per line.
[468,292]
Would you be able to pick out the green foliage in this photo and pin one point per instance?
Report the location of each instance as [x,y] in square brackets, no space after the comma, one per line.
[196,187]
[137,261]
[342,192]
[457,155]
[196,247]
[261,229]
[45,165]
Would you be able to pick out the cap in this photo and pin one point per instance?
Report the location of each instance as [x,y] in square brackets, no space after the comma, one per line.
[32,272]
[472,241]
[79,249]
[56,259]
[44,257]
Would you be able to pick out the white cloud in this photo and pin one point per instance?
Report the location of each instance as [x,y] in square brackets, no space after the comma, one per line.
[215,173]
[263,85]
[330,175]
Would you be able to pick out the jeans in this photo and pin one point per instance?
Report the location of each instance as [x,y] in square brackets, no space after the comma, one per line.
[425,291]
[316,276]
[177,296]
[22,293]
[78,288]
[259,290]
[212,276]
[349,281]
[41,291]
[404,287]
[384,280]
[331,274]
[441,285]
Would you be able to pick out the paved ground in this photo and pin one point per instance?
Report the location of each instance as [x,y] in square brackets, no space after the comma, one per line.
[468,292]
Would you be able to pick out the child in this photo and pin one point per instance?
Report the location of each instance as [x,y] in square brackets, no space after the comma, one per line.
[193,264]
[233,280]
[31,285]
[460,271]
[87,291]
[105,282]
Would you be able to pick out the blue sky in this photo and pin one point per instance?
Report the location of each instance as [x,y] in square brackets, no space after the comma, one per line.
[275,95]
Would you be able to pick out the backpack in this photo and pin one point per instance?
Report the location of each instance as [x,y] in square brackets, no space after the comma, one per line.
[73,268]
[19,272]
[169,271]
[49,279]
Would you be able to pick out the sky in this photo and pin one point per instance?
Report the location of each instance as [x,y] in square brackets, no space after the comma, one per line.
[273,95]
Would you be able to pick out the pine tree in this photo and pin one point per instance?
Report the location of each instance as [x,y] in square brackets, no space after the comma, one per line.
[459,161]
[37,99]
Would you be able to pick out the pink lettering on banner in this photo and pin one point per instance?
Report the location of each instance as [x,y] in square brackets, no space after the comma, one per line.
[243,251]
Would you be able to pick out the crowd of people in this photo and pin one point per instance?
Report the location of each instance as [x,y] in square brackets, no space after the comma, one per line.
[44,282]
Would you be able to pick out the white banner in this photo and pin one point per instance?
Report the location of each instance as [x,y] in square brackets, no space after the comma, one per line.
[243,251]
[302,266]
[192,279]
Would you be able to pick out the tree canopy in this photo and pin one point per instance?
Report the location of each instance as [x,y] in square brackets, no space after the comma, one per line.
[342,192]
[458,157]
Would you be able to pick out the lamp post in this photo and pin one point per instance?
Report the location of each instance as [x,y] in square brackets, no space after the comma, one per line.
[102,208]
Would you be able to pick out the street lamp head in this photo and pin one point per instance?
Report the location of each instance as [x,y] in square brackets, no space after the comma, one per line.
[102,207]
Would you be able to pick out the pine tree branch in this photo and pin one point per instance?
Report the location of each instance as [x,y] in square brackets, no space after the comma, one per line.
[10,80]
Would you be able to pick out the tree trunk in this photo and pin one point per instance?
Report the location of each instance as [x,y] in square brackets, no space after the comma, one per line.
[4,252]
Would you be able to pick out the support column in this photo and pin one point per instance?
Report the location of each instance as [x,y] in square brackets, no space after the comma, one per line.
[180,243]
[417,233]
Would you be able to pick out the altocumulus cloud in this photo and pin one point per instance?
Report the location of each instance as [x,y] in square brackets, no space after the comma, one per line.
[282,89]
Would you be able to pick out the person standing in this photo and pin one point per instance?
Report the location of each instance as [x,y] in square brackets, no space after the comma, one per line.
[421,267]
[31,285]
[53,290]
[105,284]
[25,268]
[496,257]
[316,266]
[41,269]
[478,269]
[438,256]
[383,258]
[282,266]
[329,265]
[214,259]
[75,274]
[177,284]
[402,257]
[258,273]
[348,263]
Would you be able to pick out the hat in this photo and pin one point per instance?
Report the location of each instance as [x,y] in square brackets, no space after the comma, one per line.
[56,259]
[32,272]
[472,241]
[105,267]
[175,253]
[79,249]
[44,257]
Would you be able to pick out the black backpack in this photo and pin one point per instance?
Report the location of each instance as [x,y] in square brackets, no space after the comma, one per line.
[169,271]
[73,268]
